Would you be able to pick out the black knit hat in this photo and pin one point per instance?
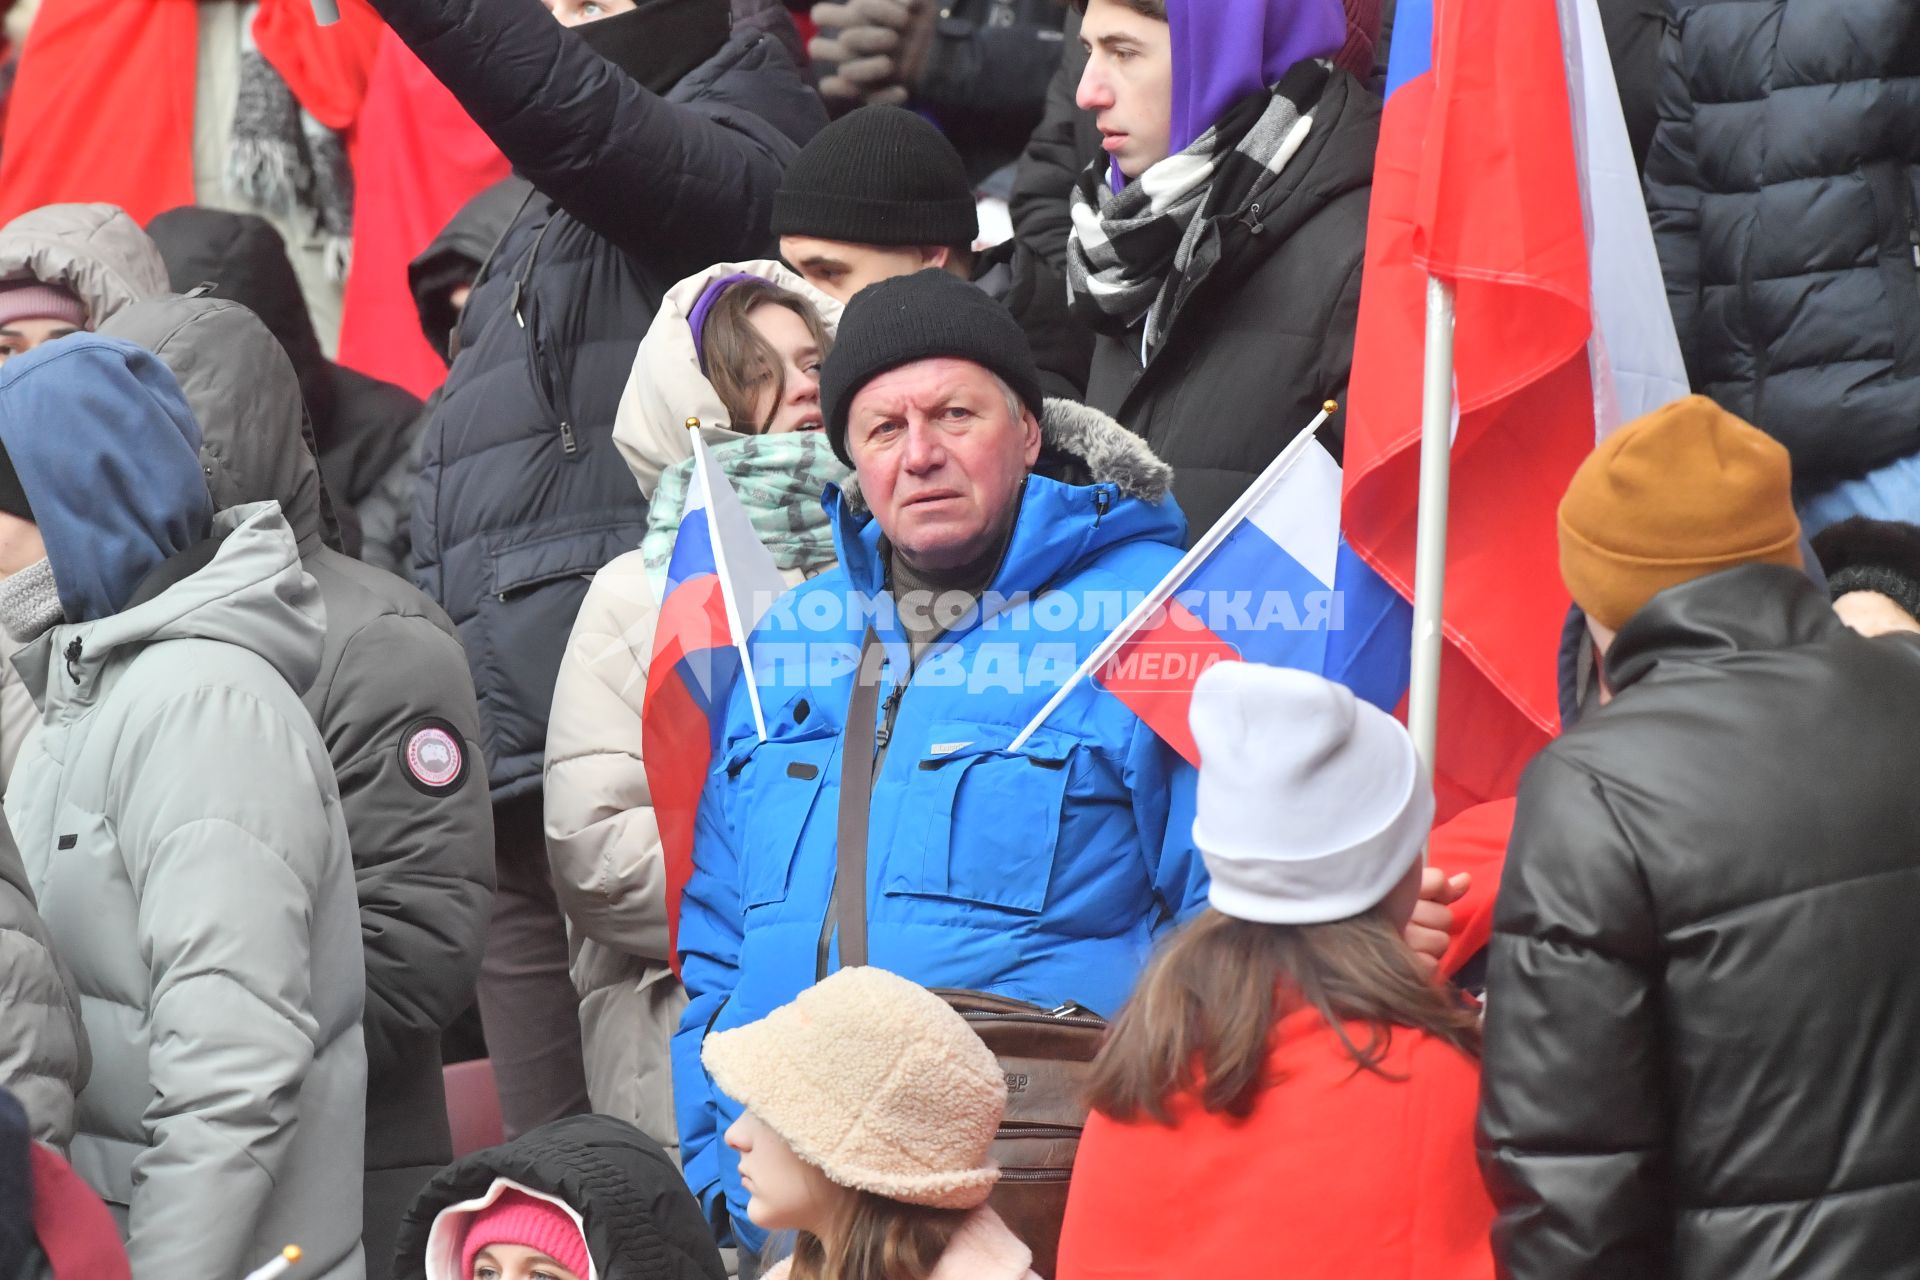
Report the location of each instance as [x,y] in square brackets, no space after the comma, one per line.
[13,495]
[924,316]
[1872,555]
[878,175]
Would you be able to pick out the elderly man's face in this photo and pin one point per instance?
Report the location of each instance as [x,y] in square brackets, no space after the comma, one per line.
[941,457]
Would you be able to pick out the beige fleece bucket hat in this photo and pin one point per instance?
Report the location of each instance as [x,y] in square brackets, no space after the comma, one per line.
[877,1082]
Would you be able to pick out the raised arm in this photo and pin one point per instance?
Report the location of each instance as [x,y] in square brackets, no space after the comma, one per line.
[682,183]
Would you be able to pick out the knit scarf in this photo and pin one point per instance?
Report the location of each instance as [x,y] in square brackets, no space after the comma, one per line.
[1130,250]
[287,162]
[30,602]
[779,480]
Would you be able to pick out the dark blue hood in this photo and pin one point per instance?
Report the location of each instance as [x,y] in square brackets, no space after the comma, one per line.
[113,494]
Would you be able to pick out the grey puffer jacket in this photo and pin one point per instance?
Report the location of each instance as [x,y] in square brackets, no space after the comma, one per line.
[392,683]
[102,256]
[183,832]
[1784,189]
[43,1048]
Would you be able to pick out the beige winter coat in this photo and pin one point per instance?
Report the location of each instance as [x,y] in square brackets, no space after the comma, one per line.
[983,1249]
[601,836]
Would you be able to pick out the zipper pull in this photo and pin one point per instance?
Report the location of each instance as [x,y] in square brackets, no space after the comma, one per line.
[1102,502]
[567,442]
[513,305]
[888,709]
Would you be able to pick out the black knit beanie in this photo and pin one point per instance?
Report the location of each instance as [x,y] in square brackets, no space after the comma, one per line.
[878,175]
[13,495]
[1872,555]
[924,316]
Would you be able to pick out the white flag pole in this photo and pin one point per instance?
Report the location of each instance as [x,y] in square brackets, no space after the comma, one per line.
[326,12]
[1164,590]
[1430,554]
[708,471]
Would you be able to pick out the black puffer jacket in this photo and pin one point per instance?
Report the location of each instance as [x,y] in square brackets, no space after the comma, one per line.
[1703,1012]
[522,496]
[1266,336]
[1784,188]
[392,687]
[641,1221]
[362,426]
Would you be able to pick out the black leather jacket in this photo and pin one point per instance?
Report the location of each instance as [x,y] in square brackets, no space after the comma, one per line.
[1703,1011]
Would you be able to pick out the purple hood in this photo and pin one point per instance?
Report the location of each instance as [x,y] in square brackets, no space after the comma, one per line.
[1224,50]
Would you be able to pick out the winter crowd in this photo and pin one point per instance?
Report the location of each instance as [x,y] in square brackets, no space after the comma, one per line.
[328,716]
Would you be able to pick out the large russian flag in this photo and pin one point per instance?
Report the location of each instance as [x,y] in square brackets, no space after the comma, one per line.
[719,580]
[1503,169]
[1274,582]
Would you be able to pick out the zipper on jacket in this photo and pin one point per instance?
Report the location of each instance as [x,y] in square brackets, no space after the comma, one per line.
[537,363]
[73,660]
[1908,207]
[568,444]
[1102,503]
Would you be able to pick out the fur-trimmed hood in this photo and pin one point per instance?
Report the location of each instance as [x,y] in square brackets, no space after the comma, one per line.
[1079,445]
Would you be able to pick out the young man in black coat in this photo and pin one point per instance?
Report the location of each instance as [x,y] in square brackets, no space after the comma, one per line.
[1702,1011]
[654,138]
[1226,300]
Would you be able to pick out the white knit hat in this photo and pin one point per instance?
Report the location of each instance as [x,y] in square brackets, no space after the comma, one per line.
[876,1081]
[1312,803]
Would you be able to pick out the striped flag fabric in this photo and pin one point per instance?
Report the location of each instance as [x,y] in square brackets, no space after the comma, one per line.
[1274,582]
[1501,170]
[720,580]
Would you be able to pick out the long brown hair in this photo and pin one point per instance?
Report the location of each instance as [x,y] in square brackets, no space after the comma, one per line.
[1202,1018]
[739,362]
[878,1239]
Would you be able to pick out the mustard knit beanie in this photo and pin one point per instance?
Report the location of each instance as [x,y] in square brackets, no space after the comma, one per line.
[1686,491]
[877,1082]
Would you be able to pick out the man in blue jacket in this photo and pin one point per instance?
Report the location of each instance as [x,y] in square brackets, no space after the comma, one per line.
[988,543]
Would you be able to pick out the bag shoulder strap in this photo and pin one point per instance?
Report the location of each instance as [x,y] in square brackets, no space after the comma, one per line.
[856,802]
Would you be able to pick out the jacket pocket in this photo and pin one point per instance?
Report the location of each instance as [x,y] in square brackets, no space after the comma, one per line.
[988,818]
[518,569]
[782,779]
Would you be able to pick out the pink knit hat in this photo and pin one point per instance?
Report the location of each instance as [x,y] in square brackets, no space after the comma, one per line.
[31,300]
[518,1218]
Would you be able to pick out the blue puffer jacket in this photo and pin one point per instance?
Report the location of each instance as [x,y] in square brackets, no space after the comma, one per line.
[1044,874]
[521,495]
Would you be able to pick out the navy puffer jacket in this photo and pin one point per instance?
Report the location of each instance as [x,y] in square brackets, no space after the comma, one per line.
[521,496]
[1786,205]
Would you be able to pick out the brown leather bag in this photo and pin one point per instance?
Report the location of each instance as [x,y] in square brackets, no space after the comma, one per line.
[1045,1053]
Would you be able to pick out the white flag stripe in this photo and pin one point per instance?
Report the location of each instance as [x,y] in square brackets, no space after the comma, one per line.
[750,581]
[1634,353]
[1302,514]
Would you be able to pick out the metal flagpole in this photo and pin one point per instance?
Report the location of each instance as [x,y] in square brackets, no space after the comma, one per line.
[1430,555]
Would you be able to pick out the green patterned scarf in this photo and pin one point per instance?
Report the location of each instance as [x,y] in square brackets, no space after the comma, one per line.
[779,480]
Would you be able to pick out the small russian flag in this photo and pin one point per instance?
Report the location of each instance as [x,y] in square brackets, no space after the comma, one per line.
[720,580]
[1274,582]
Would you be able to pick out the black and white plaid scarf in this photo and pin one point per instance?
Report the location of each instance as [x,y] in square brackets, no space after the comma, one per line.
[1129,252]
[287,162]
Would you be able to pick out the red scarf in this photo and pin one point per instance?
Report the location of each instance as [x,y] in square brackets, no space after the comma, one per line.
[102,107]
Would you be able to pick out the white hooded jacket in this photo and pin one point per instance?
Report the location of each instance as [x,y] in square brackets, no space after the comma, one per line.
[602,838]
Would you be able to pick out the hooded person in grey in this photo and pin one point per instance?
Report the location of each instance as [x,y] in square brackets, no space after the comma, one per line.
[395,705]
[101,257]
[180,824]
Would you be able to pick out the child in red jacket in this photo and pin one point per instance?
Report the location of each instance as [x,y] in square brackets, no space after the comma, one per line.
[1285,1093]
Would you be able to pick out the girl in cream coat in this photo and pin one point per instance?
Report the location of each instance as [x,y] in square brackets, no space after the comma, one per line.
[601,833]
